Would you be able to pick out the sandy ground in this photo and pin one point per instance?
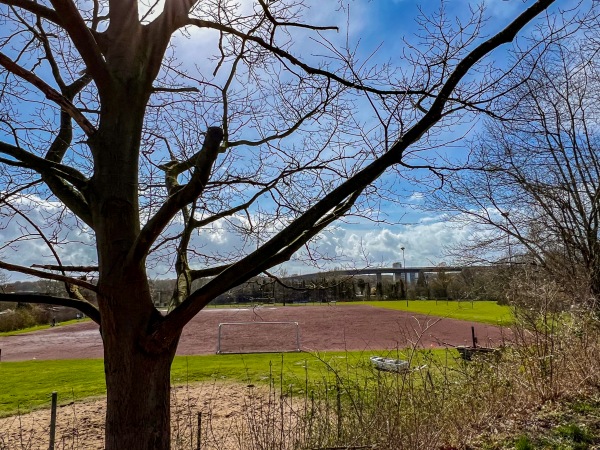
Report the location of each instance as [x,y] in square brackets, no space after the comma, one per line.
[322,328]
[224,407]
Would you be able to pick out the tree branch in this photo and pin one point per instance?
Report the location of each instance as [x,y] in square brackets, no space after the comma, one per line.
[44,166]
[48,276]
[72,290]
[123,16]
[234,274]
[181,196]
[198,223]
[35,8]
[71,197]
[173,89]
[85,269]
[49,92]
[62,180]
[277,23]
[295,126]
[158,33]
[296,62]
[84,40]
[82,305]
[196,274]
[338,201]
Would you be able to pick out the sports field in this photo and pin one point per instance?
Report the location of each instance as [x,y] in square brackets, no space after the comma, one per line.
[321,328]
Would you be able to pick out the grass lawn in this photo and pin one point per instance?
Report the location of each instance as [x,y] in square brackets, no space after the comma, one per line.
[28,385]
[477,311]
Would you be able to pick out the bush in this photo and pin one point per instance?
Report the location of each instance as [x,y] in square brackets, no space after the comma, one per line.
[23,317]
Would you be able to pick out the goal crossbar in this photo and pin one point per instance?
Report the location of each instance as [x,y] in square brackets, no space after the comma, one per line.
[248,346]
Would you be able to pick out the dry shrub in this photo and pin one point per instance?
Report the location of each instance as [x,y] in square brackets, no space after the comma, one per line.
[23,317]
[443,403]
[556,345]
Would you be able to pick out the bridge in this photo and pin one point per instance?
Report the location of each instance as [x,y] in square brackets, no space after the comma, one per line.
[410,273]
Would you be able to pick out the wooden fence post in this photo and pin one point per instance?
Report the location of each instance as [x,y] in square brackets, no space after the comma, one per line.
[53,420]
[199,435]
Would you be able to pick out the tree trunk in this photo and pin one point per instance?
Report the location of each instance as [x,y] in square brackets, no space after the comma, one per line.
[137,380]
[138,398]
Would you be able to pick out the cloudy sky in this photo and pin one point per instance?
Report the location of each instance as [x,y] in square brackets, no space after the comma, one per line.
[367,25]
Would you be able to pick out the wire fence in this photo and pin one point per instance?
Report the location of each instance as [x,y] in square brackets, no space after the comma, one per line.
[207,416]
[53,427]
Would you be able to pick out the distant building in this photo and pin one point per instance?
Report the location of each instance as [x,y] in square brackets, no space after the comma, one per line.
[396,265]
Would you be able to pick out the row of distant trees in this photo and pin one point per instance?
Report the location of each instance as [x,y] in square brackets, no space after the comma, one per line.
[470,284]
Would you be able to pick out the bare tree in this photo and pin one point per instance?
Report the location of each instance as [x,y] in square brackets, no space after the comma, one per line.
[102,116]
[534,186]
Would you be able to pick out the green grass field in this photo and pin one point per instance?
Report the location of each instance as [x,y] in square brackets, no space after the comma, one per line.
[28,385]
[478,311]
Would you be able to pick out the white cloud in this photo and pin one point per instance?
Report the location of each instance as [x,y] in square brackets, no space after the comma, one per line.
[360,245]
[424,243]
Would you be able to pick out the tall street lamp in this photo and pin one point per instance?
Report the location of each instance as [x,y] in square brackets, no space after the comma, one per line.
[507,223]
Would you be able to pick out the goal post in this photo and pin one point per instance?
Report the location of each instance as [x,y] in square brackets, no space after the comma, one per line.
[258,337]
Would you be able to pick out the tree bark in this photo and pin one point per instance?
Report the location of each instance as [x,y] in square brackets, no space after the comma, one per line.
[138,396]
[137,380]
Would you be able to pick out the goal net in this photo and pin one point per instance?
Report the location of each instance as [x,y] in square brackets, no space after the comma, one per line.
[258,337]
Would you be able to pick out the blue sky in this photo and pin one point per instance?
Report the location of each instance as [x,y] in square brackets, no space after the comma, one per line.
[425,236]
[352,242]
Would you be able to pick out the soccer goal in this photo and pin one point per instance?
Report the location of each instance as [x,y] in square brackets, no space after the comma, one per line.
[258,337]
